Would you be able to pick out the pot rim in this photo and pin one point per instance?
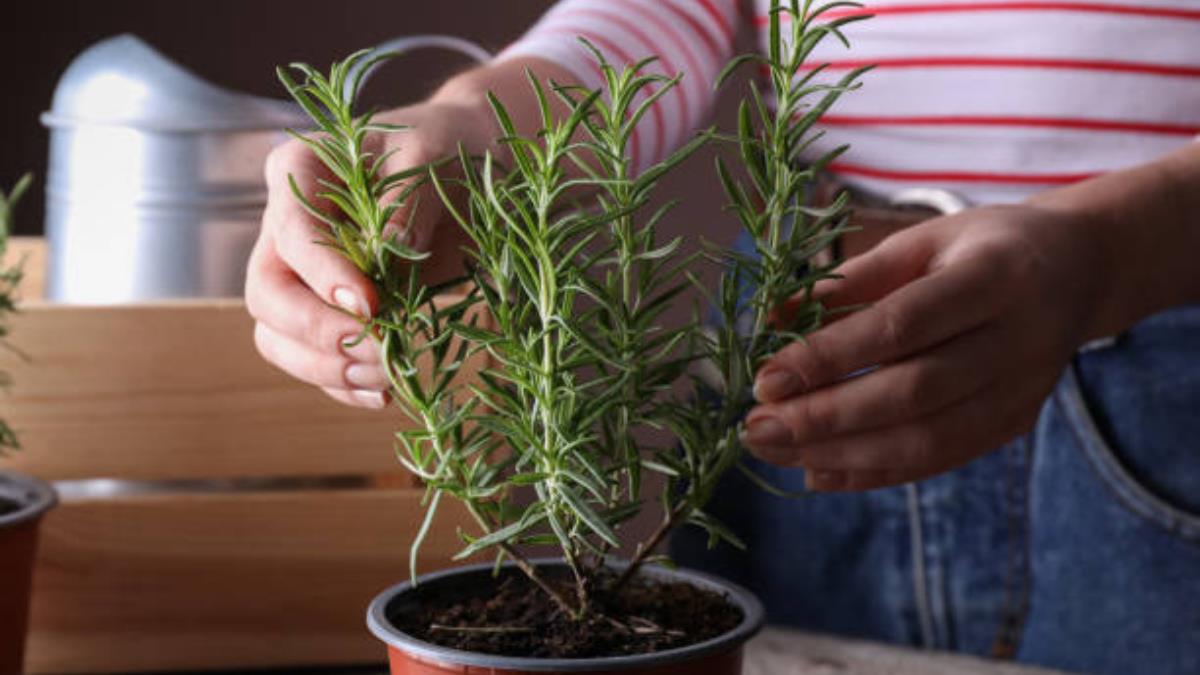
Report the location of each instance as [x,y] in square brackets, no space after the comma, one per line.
[743,599]
[33,497]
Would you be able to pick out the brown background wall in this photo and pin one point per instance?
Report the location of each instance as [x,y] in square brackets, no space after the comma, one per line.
[233,43]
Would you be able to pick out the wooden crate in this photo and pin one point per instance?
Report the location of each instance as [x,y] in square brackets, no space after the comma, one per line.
[174,570]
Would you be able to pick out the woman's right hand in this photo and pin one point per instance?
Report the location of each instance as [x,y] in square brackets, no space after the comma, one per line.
[296,290]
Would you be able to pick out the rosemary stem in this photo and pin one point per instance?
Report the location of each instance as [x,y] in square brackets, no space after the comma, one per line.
[522,563]
[670,520]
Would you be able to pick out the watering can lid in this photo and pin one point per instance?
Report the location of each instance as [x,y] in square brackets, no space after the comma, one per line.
[122,81]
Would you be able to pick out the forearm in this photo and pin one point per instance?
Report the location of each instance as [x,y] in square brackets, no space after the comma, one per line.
[1146,224]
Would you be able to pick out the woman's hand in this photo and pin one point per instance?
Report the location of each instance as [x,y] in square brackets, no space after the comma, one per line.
[304,297]
[971,320]
[307,300]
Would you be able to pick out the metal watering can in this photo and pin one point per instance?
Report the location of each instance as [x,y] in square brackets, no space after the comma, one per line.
[155,185]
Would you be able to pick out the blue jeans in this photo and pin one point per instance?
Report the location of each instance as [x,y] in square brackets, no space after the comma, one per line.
[1075,546]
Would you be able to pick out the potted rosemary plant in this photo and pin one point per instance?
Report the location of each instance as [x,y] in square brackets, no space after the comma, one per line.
[565,295]
[23,499]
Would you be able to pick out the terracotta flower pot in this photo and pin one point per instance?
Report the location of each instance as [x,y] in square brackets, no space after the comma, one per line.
[18,541]
[408,655]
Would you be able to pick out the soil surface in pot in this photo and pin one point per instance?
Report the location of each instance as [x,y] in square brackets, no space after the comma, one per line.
[515,618]
[8,506]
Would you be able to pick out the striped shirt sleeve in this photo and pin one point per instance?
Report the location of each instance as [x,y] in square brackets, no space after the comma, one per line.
[693,37]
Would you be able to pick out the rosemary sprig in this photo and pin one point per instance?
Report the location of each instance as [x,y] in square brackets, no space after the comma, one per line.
[568,267]
[788,233]
[10,279]
[774,208]
[574,294]
[416,333]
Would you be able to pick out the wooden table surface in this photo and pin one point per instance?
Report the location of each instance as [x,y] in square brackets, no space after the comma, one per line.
[778,651]
[787,652]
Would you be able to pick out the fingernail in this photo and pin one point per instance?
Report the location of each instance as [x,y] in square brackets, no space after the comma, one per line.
[766,430]
[348,300]
[370,399]
[773,384]
[364,375]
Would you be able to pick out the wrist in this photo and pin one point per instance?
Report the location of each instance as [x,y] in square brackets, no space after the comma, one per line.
[1139,223]
[1100,261]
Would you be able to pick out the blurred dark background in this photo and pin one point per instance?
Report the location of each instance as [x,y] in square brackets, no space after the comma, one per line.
[232,43]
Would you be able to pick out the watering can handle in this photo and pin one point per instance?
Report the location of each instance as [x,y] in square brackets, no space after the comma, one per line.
[410,42]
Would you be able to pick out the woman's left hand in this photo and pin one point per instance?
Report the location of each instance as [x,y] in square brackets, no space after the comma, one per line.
[971,320]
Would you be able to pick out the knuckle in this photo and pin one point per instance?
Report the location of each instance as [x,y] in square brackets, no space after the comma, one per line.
[285,241]
[416,148]
[1010,262]
[803,361]
[280,211]
[294,242]
[1006,261]
[271,217]
[896,329]
[916,385]
[328,371]
[253,291]
[320,334]
[251,295]
[253,304]
[278,160]
[287,156]
[271,166]
[816,417]
[264,342]
[815,364]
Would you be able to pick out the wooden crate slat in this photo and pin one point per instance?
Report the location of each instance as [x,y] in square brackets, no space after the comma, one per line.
[179,581]
[170,391]
[32,251]
[160,581]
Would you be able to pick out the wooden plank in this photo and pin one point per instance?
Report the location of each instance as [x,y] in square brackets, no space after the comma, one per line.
[170,391]
[32,252]
[782,651]
[223,580]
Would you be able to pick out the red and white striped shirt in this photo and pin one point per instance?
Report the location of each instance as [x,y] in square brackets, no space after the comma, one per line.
[993,100]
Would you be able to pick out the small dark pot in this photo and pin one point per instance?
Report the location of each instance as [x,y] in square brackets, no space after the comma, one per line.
[18,541]
[721,655]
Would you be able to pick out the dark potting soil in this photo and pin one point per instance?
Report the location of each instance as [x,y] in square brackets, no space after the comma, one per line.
[513,617]
[8,506]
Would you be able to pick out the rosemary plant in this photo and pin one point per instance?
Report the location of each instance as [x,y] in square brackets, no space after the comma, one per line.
[789,233]
[566,286]
[575,292]
[10,278]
